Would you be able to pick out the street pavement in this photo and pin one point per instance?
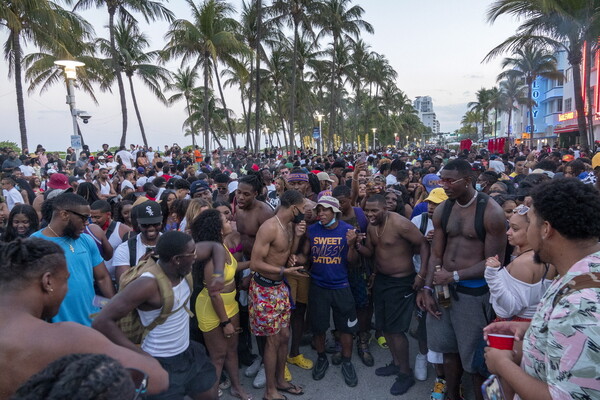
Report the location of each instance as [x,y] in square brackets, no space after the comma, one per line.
[370,386]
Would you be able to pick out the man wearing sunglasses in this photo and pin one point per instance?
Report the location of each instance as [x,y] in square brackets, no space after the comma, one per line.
[69,217]
[148,216]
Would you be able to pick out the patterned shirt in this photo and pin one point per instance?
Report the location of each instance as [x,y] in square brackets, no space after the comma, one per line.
[562,345]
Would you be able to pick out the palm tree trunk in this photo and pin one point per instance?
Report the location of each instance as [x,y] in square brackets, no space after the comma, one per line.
[117,67]
[19,88]
[192,130]
[80,135]
[249,140]
[257,105]
[530,106]
[293,93]
[332,113]
[579,105]
[206,131]
[280,115]
[509,126]
[137,112]
[495,122]
[246,118]
[590,93]
[215,136]
[231,134]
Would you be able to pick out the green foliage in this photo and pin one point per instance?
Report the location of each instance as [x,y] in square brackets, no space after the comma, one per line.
[10,145]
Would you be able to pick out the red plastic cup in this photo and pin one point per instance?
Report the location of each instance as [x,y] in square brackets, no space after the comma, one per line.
[502,342]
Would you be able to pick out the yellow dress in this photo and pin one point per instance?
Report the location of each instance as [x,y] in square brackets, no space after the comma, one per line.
[207,317]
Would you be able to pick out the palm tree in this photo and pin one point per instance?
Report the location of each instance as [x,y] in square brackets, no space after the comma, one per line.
[515,91]
[184,83]
[45,24]
[342,22]
[563,24]
[498,104]
[528,63]
[471,117]
[482,105]
[150,10]
[130,44]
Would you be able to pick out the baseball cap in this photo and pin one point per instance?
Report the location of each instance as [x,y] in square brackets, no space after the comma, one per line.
[58,181]
[198,186]
[141,170]
[233,176]
[329,202]
[148,212]
[437,195]
[568,157]
[596,160]
[324,176]
[430,181]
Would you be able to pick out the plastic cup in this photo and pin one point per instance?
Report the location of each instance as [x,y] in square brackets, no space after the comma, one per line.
[502,342]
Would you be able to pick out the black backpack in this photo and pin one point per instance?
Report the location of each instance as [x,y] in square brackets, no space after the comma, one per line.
[482,200]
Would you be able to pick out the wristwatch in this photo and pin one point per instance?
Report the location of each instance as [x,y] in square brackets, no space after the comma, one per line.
[456,277]
[224,323]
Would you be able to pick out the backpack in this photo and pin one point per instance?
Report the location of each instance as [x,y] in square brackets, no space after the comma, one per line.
[424,223]
[131,324]
[111,229]
[583,281]
[482,200]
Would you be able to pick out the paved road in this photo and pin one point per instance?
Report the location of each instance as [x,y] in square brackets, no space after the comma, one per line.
[369,385]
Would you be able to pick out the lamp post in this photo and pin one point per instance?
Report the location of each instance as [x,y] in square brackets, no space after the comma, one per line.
[268,138]
[407,141]
[320,141]
[70,68]
[374,130]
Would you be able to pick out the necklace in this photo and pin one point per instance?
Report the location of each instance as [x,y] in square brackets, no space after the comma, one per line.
[63,239]
[285,230]
[469,203]
[384,226]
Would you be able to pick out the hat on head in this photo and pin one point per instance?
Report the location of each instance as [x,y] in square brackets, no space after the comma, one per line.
[149,212]
[431,181]
[141,170]
[51,171]
[324,176]
[199,187]
[233,176]
[57,192]
[101,158]
[568,157]
[324,193]
[329,202]
[297,177]
[289,165]
[596,160]
[58,181]
[437,195]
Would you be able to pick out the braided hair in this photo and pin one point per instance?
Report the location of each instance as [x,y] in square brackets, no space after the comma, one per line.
[23,260]
[78,377]
[255,180]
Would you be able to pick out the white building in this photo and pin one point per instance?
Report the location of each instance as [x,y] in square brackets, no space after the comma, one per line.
[424,107]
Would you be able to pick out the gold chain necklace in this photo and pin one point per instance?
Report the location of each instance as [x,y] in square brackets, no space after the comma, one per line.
[285,230]
[63,239]
[384,226]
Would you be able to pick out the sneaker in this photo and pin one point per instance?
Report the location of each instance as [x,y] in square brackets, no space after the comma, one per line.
[300,361]
[287,375]
[439,389]
[349,374]
[252,370]
[362,346]
[225,382]
[260,380]
[320,368]
[382,342]
[388,370]
[402,384]
[421,367]
[336,359]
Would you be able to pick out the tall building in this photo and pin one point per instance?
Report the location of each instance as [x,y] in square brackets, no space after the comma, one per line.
[424,107]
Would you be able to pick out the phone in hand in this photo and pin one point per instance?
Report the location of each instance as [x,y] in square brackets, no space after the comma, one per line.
[304,271]
[362,157]
[491,389]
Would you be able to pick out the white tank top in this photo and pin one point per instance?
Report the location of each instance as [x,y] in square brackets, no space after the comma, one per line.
[104,189]
[115,241]
[172,337]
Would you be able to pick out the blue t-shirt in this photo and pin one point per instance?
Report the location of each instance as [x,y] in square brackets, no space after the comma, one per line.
[77,305]
[329,255]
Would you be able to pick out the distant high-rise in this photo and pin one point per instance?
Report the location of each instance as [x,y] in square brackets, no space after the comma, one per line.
[424,107]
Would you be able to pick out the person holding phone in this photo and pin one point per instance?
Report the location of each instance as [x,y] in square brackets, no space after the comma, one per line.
[329,250]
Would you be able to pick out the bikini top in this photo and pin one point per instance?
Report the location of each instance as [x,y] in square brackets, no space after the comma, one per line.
[236,249]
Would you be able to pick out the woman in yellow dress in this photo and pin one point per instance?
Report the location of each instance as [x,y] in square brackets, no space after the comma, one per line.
[218,313]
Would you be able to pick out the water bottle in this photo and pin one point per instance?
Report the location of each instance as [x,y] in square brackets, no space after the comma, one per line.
[442,292]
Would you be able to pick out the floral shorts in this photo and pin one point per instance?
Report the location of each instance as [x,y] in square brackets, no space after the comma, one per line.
[269,308]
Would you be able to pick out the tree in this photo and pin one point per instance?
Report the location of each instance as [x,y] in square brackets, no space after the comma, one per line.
[482,106]
[184,83]
[150,10]
[528,63]
[131,44]
[515,91]
[45,24]
[341,21]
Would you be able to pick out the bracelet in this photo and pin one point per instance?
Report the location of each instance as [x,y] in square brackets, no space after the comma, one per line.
[428,288]
[419,275]
[224,323]
[215,275]
[281,272]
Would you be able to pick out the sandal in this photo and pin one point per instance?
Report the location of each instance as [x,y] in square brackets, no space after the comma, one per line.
[292,389]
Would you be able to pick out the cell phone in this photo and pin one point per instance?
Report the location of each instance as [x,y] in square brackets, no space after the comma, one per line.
[491,389]
[304,271]
[362,157]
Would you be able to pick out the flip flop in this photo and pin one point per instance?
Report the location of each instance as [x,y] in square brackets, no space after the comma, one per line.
[292,389]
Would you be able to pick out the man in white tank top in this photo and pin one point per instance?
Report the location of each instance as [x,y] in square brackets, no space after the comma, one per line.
[105,188]
[191,372]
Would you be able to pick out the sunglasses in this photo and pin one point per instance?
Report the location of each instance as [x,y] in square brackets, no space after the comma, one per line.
[187,254]
[140,381]
[83,217]
[448,181]
[521,210]
[150,225]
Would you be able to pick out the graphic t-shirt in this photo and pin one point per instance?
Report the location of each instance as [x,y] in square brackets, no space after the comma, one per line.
[561,346]
[329,255]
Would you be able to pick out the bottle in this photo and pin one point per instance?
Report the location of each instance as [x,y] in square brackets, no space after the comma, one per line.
[442,292]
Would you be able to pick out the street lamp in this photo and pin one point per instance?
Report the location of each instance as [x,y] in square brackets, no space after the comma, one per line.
[70,68]
[407,141]
[374,130]
[319,117]
[268,138]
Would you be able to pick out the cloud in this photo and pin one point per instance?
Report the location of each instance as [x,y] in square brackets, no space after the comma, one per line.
[450,115]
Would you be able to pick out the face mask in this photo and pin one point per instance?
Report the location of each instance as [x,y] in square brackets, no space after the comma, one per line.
[479,187]
[298,218]
[333,221]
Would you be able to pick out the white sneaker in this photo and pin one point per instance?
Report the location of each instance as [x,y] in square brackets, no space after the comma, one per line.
[421,367]
[252,370]
[261,379]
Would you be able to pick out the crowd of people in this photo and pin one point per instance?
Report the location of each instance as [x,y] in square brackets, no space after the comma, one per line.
[174,269]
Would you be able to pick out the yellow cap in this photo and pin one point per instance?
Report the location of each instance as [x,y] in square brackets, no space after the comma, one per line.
[596,161]
[437,195]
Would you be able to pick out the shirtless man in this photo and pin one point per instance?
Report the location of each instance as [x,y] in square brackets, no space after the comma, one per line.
[269,303]
[250,215]
[390,236]
[457,330]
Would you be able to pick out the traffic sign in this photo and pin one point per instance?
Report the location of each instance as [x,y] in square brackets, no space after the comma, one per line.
[76,141]
[316,132]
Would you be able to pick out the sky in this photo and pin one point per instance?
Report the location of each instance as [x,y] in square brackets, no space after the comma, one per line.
[436,46]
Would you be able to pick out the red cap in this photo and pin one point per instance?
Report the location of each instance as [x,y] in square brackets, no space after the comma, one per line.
[58,181]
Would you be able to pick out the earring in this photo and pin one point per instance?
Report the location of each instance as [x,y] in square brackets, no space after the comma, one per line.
[50,290]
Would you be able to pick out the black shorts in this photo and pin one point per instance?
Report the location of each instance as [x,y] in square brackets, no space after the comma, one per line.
[321,300]
[394,302]
[190,373]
